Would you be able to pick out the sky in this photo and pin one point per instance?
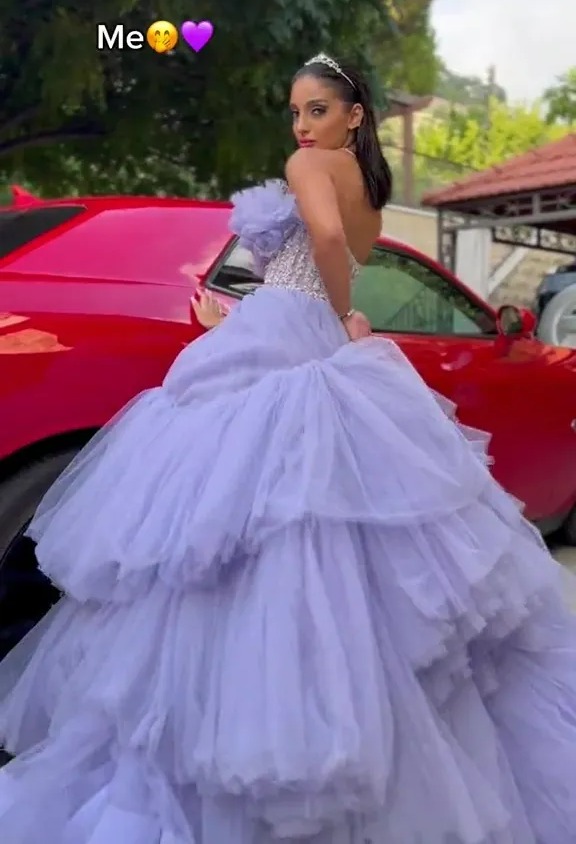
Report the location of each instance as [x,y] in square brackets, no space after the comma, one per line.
[530,42]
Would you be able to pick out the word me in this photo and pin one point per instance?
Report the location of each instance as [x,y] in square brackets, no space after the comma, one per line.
[119,38]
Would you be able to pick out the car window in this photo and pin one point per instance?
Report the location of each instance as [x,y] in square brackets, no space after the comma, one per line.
[236,275]
[17,228]
[400,294]
[395,291]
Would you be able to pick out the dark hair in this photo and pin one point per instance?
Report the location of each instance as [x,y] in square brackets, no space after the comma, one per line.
[353,88]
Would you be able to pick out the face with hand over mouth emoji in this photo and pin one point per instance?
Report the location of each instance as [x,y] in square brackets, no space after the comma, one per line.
[162,36]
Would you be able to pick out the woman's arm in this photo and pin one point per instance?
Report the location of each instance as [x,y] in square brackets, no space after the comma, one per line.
[311,182]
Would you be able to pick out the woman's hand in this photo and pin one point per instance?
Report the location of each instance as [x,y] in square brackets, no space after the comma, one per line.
[209,312]
[357,326]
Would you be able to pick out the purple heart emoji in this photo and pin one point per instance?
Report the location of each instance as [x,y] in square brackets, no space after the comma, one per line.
[197,35]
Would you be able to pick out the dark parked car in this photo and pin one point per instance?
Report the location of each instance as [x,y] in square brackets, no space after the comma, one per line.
[555,307]
[553,283]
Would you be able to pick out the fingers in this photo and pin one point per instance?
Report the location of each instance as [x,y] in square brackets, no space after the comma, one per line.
[205,300]
[207,309]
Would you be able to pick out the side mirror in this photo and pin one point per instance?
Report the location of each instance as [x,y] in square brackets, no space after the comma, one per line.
[515,322]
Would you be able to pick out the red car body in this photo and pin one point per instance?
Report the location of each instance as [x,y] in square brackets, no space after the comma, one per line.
[95,305]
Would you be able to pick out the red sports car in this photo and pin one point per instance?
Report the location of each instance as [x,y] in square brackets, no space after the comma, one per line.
[95,305]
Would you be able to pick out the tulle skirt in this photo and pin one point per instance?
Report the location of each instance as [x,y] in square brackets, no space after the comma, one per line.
[298,608]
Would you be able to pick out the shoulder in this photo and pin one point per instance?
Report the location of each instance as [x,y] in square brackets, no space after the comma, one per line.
[306,161]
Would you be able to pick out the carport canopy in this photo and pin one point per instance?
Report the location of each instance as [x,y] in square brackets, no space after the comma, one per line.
[527,201]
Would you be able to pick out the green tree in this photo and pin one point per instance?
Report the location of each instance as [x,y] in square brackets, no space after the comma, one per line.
[465,90]
[454,142]
[404,54]
[479,138]
[560,99]
[73,118]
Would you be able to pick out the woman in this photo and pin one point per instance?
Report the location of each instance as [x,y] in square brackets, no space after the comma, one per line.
[298,608]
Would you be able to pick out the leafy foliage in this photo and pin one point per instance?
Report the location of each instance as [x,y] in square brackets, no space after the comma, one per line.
[475,139]
[75,118]
[405,55]
[561,99]
[466,90]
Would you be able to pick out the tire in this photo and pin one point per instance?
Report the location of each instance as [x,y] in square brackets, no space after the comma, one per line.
[563,304]
[569,529]
[25,594]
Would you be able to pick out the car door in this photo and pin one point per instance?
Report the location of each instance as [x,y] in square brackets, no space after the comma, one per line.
[451,338]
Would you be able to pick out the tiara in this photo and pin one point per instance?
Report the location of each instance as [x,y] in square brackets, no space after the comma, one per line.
[322,58]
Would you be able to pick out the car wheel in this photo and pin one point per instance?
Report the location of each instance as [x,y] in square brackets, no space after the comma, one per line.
[568,530]
[557,325]
[25,593]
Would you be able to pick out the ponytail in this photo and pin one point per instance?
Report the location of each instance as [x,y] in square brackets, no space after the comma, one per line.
[373,164]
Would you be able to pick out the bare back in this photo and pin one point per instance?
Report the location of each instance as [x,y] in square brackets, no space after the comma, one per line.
[362,223]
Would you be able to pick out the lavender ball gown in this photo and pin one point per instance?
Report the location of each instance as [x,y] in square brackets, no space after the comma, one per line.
[298,608]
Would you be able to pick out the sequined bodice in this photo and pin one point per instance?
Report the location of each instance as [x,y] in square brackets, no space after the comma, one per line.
[268,224]
[293,266]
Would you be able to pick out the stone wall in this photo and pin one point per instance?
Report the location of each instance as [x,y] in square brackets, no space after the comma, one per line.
[519,287]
